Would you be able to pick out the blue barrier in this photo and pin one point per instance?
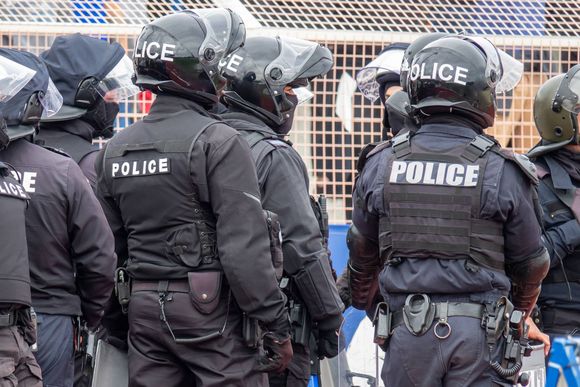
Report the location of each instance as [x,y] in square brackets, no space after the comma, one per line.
[564,362]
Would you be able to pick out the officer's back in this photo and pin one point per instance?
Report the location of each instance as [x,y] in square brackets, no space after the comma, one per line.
[69,242]
[452,217]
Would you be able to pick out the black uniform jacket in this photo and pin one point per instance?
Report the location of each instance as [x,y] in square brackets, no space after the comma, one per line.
[225,178]
[283,180]
[70,244]
[75,138]
[506,197]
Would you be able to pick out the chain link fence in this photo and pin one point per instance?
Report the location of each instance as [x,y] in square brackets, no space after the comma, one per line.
[332,128]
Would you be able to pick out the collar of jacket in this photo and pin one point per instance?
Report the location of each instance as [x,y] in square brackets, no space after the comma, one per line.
[76,127]
[257,124]
[169,104]
[560,178]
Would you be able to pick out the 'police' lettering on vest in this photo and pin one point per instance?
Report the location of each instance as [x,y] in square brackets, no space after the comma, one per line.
[434,173]
[8,188]
[28,180]
[141,168]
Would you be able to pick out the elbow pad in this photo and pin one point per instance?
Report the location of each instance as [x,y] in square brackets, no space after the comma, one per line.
[527,277]
[318,289]
[363,268]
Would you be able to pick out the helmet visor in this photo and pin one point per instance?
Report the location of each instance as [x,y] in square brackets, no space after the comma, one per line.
[218,23]
[569,91]
[51,100]
[366,79]
[294,55]
[13,77]
[502,70]
[117,85]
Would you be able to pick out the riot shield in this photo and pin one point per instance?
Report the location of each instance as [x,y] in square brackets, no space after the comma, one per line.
[359,361]
[111,367]
[534,366]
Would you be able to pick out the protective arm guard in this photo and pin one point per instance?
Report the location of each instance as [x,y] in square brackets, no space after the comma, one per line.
[364,265]
[318,290]
[527,277]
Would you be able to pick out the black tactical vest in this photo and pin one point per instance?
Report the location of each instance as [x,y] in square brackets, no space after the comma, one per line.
[571,262]
[14,267]
[433,205]
[170,232]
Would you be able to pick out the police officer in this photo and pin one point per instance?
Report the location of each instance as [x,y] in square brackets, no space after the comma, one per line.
[452,219]
[70,244]
[17,332]
[92,75]
[557,158]
[181,195]
[262,96]
[384,78]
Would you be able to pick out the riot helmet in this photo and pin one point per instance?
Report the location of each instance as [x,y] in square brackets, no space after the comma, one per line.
[29,102]
[382,73]
[396,116]
[416,46]
[268,77]
[93,76]
[460,75]
[554,114]
[179,53]
[13,77]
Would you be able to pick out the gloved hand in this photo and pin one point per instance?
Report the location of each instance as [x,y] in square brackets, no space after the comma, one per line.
[277,353]
[328,343]
[344,289]
[328,336]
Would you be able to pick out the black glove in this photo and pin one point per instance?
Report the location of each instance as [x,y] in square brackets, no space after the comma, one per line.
[277,354]
[344,289]
[328,344]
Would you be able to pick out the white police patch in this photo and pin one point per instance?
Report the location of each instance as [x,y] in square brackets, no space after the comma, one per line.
[434,173]
[444,72]
[140,168]
[8,188]
[154,50]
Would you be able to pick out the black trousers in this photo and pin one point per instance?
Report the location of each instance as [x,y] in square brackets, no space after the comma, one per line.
[155,359]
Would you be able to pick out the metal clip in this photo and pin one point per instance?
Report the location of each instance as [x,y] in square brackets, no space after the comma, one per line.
[443,314]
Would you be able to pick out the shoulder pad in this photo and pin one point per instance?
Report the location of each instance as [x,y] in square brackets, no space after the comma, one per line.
[369,150]
[278,142]
[56,150]
[523,162]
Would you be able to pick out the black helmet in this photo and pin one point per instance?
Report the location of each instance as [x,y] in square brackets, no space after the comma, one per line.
[460,75]
[35,98]
[556,110]
[258,74]
[179,53]
[417,45]
[397,116]
[87,71]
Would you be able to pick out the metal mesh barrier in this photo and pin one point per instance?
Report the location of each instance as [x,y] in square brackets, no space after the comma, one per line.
[331,129]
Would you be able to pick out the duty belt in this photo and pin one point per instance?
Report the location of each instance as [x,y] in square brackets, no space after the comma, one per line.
[8,320]
[452,309]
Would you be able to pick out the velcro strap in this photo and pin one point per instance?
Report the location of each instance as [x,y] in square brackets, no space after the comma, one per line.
[7,320]
[447,309]
[181,286]
[477,148]
[402,145]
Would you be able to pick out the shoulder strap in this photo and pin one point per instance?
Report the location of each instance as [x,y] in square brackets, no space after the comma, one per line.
[56,150]
[523,163]
[368,151]
[402,145]
[478,147]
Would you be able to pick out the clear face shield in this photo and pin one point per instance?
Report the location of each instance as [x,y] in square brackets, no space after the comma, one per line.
[117,85]
[218,23]
[13,77]
[51,100]
[568,92]
[366,78]
[294,54]
[502,71]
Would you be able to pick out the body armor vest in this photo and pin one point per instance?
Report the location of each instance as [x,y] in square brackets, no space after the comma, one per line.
[170,231]
[14,268]
[433,205]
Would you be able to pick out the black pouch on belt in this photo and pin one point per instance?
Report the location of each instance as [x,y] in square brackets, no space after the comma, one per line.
[418,313]
[205,289]
[251,331]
